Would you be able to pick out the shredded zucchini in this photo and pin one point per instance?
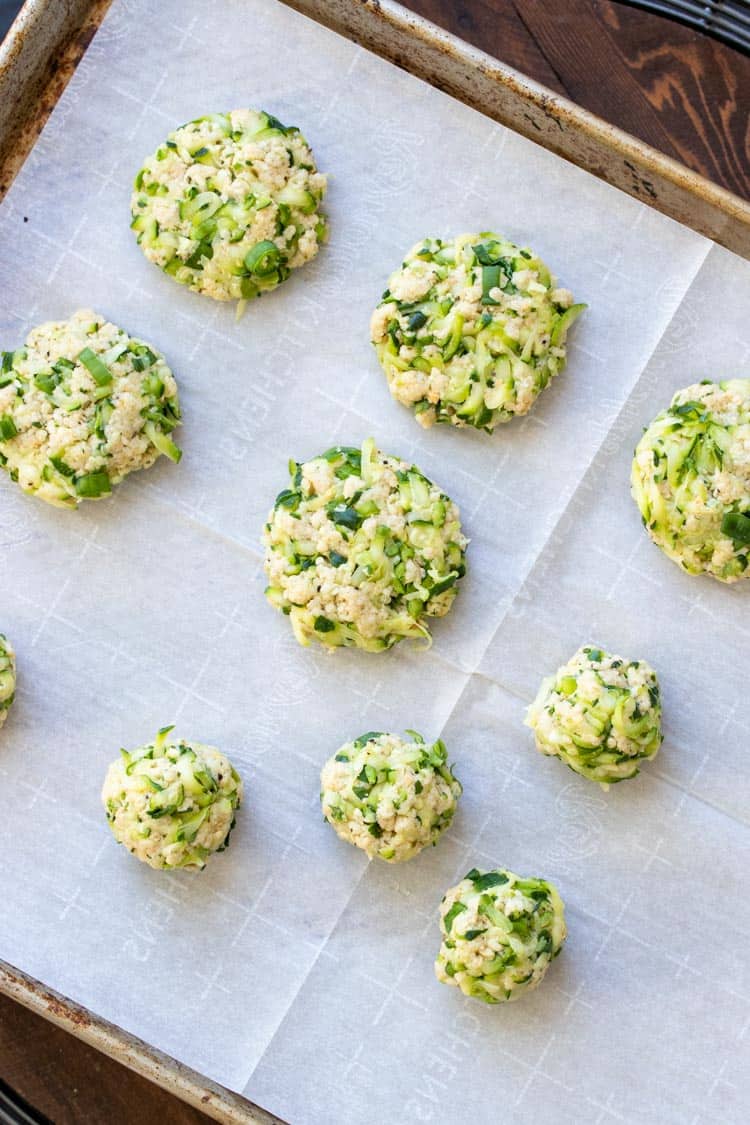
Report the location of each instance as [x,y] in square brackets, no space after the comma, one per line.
[172,803]
[599,714]
[691,479]
[499,934]
[470,330]
[83,404]
[361,548]
[230,204]
[389,796]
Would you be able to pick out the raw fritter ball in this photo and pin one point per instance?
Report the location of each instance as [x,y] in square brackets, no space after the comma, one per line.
[361,548]
[500,933]
[83,404]
[7,677]
[691,479]
[230,204]
[389,796]
[172,802]
[471,330]
[599,714]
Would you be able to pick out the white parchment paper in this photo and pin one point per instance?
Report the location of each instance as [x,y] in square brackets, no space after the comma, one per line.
[291,969]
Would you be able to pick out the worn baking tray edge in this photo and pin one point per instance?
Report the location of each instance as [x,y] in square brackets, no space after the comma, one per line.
[478,79]
[38,58]
[49,38]
[209,1097]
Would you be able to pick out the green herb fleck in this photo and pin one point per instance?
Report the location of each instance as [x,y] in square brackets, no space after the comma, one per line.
[453,913]
[736,525]
[98,371]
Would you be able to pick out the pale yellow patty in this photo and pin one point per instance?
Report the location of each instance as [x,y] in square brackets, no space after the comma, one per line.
[82,405]
[172,803]
[230,204]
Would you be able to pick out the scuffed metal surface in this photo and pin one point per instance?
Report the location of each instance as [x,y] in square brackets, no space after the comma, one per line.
[37,59]
[527,107]
[209,1097]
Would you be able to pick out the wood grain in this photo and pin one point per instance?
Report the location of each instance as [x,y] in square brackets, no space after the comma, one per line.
[73,1084]
[669,85]
[672,87]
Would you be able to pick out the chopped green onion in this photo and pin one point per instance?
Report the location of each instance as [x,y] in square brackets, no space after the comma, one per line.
[443,585]
[162,442]
[202,250]
[93,485]
[46,381]
[453,913]
[736,525]
[490,879]
[274,123]
[483,256]
[152,385]
[8,427]
[144,359]
[490,280]
[61,466]
[370,736]
[98,371]
[345,516]
[287,498]
[263,259]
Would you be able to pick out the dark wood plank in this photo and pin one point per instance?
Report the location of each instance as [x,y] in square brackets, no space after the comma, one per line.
[496,27]
[667,84]
[682,91]
[73,1084]
[592,67]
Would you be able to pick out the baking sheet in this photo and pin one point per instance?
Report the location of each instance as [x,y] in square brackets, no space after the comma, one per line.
[291,969]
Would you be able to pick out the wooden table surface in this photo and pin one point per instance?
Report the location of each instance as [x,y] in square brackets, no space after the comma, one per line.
[678,90]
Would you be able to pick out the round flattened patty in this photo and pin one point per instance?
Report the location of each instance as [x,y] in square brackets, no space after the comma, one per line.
[389,796]
[82,404]
[499,934]
[600,714]
[172,802]
[691,479]
[470,330]
[230,204]
[361,548]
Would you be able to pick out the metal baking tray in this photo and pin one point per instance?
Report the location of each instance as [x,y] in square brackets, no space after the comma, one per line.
[48,39]
[36,61]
